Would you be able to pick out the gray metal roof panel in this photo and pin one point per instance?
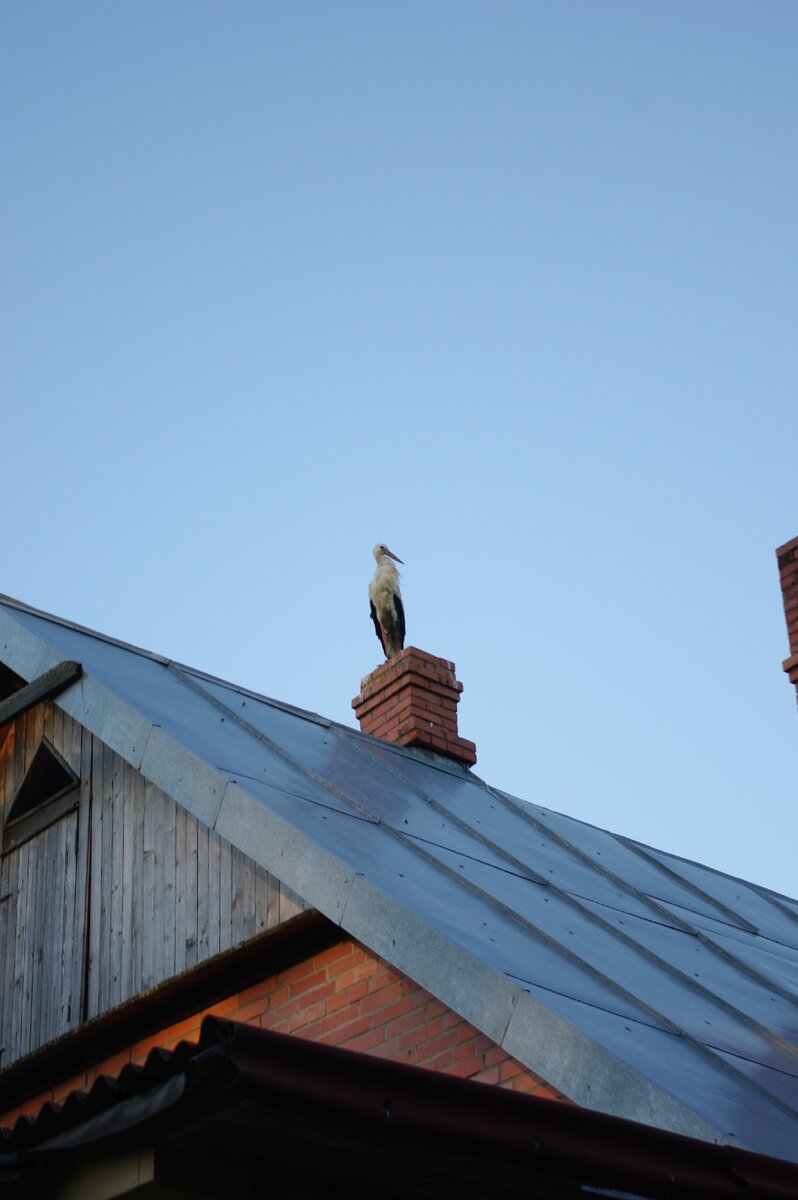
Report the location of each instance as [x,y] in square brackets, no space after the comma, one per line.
[682,975]
[624,860]
[775,963]
[493,933]
[715,1092]
[761,908]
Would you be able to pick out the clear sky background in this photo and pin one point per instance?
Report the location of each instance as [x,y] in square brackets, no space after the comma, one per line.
[509,286]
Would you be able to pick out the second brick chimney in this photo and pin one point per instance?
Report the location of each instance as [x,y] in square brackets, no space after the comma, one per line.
[787,556]
[411,700]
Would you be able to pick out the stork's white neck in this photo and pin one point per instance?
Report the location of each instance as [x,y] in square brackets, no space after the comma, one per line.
[385,581]
[386,567]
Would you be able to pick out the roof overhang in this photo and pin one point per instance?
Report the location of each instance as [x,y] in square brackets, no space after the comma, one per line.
[249,1107]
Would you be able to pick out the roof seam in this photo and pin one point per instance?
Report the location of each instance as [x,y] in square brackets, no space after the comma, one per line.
[526,814]
[568,898]
[264,739]
[234,776]
[674,971]
[711,1046]
[525,870]
[642,852]
[491,901]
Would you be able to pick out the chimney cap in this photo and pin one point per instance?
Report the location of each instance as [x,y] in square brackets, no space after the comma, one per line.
[411,700]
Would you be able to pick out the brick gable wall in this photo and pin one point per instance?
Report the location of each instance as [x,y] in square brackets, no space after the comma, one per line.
[343,996]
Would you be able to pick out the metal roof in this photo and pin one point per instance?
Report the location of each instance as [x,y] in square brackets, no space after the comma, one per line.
[636,982]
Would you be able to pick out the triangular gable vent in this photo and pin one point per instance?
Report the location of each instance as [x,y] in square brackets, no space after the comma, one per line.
[48,778]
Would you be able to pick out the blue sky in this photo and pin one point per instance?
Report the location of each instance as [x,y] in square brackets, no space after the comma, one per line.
[508,286]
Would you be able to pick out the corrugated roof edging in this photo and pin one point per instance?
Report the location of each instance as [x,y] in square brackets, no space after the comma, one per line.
[367,1093]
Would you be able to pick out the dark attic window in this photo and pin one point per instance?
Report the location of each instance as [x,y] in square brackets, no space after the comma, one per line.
[48,792]
[9,683]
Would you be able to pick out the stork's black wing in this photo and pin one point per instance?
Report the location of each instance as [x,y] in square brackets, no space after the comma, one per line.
[400,618]
[377,629]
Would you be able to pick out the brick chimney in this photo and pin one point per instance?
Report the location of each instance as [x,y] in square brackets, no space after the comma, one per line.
[411,700]
[787,556]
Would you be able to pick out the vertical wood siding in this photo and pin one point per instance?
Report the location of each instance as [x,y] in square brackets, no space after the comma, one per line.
[116,896]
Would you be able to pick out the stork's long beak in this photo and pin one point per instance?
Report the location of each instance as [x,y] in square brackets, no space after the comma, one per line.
[393,556]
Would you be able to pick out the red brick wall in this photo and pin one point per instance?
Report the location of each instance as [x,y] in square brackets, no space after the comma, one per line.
[787,557]
[344,996]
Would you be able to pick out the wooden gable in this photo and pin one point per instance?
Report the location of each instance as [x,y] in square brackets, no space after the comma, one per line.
[107,888]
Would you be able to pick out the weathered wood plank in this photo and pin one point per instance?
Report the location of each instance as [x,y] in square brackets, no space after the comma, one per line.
[262,895]
[128,940]
[116,949]
[191,921]
[181,887]
[5,907]
[96,908]
[9,903]
[148,875]
[273,905]
[28,876]
[107,867]
[70,947]
[215,940]
[225,895]
[80,979]
[203,891]
[290,903]
[44,847]
[134,864]
[38,715]
[46,686]
[26,746]
[71,942]
[54,728]
[238,914]
[164,932]
[16,956]
[169,868]
[70,748]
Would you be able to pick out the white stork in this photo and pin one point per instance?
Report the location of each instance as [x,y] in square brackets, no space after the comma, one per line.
[387,612]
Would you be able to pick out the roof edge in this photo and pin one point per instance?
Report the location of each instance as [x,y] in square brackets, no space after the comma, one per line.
[322,1084]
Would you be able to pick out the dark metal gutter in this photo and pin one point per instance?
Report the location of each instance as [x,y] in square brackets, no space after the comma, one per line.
[404,1111]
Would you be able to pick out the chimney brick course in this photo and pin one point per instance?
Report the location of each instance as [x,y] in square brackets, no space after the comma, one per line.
[787,557]
[411,700]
